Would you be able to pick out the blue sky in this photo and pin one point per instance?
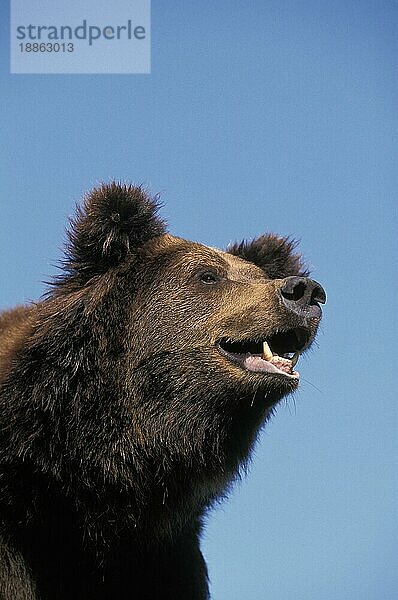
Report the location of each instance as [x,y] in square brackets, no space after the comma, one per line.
[256,116]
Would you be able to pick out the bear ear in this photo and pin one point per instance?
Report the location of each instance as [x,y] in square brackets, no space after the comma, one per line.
[273,254]
[113,220]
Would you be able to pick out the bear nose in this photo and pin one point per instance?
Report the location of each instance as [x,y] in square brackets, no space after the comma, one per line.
[302,295]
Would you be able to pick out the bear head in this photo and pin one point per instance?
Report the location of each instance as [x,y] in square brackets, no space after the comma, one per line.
[154,361]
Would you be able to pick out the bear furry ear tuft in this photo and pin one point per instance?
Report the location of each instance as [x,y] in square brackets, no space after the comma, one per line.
[113,220]
[273,254]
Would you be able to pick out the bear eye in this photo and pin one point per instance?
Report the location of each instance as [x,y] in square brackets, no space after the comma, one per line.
[209,277]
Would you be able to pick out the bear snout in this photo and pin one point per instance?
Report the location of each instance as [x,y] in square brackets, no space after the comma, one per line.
[302,295]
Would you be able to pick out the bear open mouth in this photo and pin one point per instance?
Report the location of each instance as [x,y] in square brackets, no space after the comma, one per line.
[278,353]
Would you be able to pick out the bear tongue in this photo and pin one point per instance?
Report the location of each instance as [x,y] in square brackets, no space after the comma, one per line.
[256,363]
[283,364]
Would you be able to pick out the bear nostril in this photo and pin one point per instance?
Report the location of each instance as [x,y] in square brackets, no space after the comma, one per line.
[318,295]
[293,291]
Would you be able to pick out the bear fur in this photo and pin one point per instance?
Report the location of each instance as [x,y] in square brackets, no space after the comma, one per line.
[121,419]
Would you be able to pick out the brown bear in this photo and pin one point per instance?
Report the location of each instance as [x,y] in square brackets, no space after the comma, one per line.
[132,394]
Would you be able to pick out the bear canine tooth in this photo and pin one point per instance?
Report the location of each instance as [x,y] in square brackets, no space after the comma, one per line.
[295,358]
[267,354]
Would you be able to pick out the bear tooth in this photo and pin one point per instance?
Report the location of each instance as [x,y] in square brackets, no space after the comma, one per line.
[295,358]
[267,354]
